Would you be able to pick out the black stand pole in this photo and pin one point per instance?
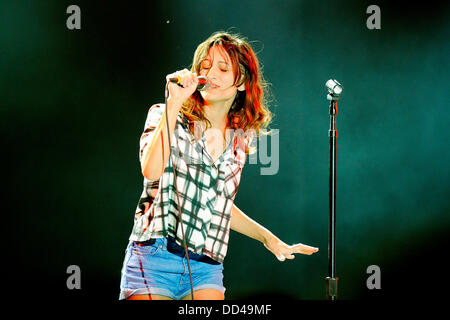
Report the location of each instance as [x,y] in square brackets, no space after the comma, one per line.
[334,88]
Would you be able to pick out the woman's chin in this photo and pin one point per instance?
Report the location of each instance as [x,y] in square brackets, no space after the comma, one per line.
[214,98]
[208,98]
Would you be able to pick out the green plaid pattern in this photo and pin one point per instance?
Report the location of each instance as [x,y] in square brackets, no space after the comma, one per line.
[206,189]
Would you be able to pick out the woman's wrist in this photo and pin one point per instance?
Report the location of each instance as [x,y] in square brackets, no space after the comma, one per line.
[266,236]
[174,103]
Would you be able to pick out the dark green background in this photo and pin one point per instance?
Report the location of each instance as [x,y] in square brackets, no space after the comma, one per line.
[73,106]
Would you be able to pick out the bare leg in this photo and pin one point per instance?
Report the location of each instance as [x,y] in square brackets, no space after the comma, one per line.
[206,294]
[148,297]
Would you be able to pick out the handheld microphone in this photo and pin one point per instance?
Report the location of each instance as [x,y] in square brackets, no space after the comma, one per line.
[204,83]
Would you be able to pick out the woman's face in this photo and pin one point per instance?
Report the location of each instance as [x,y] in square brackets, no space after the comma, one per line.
[217,66]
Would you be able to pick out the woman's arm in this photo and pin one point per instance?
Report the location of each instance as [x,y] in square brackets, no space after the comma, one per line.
[241,223]
[156,154]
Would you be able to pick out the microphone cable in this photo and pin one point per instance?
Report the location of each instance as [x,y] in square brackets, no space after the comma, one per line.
[180,217]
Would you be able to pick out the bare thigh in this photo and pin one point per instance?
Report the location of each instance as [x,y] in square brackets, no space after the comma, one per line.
[206,294]
[148,297]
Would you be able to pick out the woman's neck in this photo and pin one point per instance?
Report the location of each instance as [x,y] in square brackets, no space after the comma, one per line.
[217,113]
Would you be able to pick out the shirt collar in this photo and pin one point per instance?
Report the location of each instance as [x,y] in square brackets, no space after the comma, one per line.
[232,153]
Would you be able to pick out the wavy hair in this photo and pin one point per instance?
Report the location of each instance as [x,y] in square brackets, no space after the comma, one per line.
[249,109]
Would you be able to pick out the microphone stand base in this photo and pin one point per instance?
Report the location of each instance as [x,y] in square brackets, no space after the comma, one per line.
[332,286]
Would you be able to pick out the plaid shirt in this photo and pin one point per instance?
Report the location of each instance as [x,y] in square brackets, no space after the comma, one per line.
[207,190]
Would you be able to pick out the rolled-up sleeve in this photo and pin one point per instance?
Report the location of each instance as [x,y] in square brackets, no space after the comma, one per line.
[154,116]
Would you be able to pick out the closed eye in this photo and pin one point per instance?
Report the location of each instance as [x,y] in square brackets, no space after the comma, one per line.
[205,65]
[222,66]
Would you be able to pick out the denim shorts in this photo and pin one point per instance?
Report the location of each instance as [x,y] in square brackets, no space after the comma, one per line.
[159,266]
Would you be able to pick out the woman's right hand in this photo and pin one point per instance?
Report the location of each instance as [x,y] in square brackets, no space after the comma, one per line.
[189,83]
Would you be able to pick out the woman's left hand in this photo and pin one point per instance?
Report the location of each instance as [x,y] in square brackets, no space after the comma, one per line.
[282,251]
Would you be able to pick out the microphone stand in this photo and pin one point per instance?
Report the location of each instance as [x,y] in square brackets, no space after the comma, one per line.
[334,88]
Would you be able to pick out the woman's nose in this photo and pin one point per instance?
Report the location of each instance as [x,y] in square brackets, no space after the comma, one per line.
[212,72]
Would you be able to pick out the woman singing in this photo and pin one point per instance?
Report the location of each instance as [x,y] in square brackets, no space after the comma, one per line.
[208,155]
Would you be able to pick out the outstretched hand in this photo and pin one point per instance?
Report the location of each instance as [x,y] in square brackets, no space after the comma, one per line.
[282,251]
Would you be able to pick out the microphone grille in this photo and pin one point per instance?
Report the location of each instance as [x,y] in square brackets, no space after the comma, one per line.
[203,83]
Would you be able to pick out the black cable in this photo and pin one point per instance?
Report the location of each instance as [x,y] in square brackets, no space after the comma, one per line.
[180,218]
